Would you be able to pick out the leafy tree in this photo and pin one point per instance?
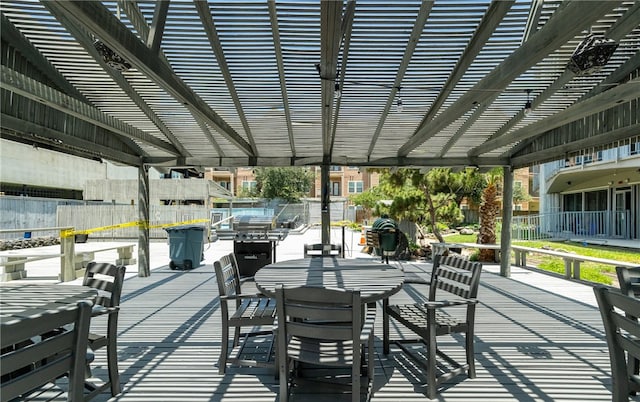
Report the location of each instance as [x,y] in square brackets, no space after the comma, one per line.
[519,195]
[468,183]
[368,199]
[423,198]
[286,183]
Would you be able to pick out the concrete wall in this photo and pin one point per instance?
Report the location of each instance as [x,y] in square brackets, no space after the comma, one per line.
[126,191]
[29,212]
[24,164]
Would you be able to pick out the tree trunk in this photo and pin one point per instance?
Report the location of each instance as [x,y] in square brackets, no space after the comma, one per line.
[489,210]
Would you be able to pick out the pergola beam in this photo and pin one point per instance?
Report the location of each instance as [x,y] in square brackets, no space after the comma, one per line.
[59,139]
[559,151]
[94,17]
[277,46]
[618,31]
[330,38]
[416,33]
[346,29]
[316,161]
[15,38]
[565,24]
[156,30]
[491,20]
[36,91]
[620,94]
[204,12]
[86,41]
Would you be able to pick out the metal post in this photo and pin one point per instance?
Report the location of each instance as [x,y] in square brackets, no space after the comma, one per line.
[505,237]
[325,203]
[143,216]
[67,249]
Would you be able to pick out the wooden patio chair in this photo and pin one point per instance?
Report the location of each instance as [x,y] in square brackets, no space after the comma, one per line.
[108,279]
[251,310]
[622,331]
[459,278]
[629,280]
[36,351]
[318,250]
[324,327]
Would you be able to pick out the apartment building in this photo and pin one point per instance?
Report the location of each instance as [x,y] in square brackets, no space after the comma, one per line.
[594,193]
[344,180]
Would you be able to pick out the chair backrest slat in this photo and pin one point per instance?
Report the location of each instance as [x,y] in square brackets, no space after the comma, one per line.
[318,250]
[455,275]
[227,275]
[629,279]
[319,313]
[108,279]
[622,331]
[36,350]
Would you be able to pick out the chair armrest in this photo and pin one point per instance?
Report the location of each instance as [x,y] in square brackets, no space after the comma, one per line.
[369,321]
[246,279]
[245,296]
[448,303]
[413,278]
[98,310]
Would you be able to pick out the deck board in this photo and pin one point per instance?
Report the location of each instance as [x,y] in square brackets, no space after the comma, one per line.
[532,344]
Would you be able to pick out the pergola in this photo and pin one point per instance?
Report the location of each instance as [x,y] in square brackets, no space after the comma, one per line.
[298,83]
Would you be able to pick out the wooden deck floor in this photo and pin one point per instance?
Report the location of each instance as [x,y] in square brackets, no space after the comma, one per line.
[539,338]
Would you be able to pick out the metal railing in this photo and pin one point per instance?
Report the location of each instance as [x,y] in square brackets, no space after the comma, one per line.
[564,225]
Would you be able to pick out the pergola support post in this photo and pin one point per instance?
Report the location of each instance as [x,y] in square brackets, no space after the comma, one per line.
[507,208]
[325,212]
[143,217]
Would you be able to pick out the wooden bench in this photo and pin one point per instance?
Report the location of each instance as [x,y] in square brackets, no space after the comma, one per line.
[571,261]
[440,248]
[85,253]
[12,262]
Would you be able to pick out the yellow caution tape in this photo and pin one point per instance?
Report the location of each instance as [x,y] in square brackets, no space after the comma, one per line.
[141,224]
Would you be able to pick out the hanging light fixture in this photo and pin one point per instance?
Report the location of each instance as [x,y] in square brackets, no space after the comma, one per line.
[527,105]
[591,54]
[338,92]
[399,107]
[111,58]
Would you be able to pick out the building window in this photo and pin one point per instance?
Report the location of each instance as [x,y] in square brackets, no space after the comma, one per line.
[572,202]
[248,185]
[356,187]
[595,200]
[534,180]
[335,188]
[225,184]
[335,168]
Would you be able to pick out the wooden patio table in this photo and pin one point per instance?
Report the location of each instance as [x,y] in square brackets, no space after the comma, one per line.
[29,300]
[375,280]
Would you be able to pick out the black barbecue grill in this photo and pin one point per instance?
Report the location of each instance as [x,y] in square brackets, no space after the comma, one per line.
[254,242]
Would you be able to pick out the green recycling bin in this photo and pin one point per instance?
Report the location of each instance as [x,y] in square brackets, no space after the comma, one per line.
[186,246]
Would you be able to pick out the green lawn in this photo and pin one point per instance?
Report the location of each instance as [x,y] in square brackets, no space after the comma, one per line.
[592,272]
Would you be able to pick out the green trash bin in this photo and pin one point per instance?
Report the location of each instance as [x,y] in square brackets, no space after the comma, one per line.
[186,246]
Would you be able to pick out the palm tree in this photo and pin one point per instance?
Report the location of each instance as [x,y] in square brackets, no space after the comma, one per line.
[489,210]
